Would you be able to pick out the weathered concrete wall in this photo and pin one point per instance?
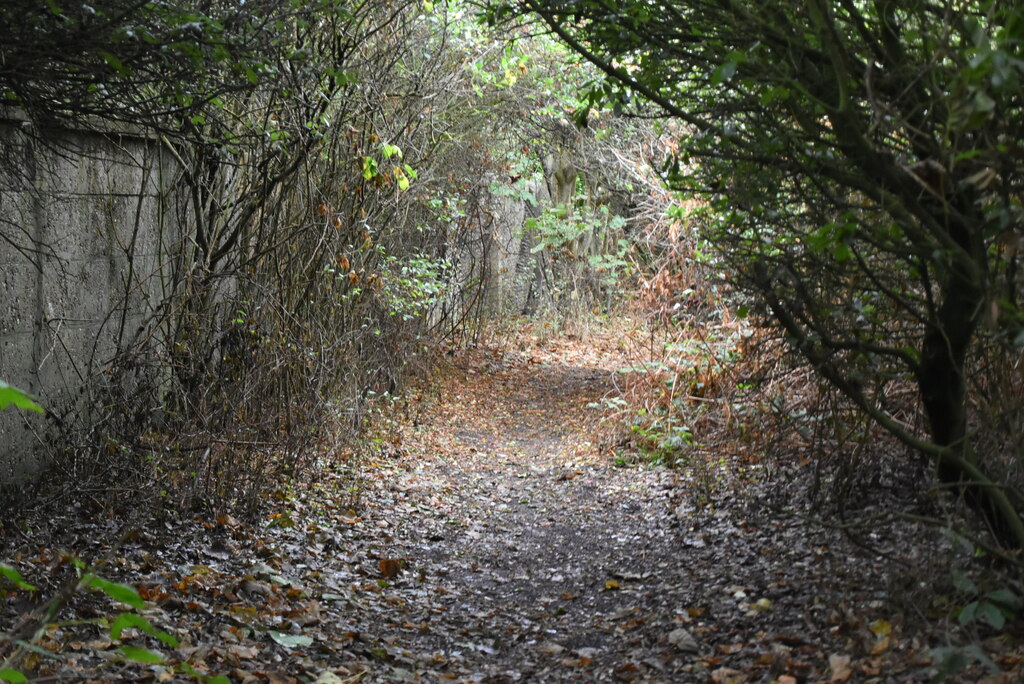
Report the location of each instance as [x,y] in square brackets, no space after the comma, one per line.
[91,226]
[86,235]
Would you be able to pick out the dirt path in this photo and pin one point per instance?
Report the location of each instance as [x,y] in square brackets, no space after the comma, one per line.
[532,557]
[494,539]
[538,552]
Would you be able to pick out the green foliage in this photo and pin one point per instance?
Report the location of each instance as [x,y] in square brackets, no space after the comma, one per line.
[141,655]
[585,236]
[125,620]
[14,577]
[122,621]
[857,168]
[611,267]
[662,439]
[992,607]
[118,592]
[12,396]
[952,660]
[412,288]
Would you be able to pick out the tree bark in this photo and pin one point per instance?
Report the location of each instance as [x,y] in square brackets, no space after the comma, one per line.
[942,382]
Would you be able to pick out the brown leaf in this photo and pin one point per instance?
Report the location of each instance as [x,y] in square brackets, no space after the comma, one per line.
[390,567]
[881,646]
[840,667]
[626,672]
[256,588]
[727,675]
[243,652]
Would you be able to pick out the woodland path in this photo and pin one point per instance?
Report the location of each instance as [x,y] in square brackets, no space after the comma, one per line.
[493,538]
[530,556]
[547,558]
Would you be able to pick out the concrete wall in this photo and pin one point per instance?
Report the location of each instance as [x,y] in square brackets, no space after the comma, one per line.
[90,231]
[86,241]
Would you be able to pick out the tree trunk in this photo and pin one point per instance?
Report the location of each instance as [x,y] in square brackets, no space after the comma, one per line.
[943,387]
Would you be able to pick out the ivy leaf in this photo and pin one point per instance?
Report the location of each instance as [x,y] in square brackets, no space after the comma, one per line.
[991,614]
[969,613]
[983,103]
[964,583]
[1005,598]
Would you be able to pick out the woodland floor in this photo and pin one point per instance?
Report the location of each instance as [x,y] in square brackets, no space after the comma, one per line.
[495,539]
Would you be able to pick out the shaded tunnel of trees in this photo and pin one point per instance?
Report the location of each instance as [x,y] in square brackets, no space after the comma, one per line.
[364,186]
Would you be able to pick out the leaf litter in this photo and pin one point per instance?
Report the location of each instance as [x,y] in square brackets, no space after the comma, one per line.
[491,537]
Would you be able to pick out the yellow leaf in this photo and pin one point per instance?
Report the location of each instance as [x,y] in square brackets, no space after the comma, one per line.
[881,628]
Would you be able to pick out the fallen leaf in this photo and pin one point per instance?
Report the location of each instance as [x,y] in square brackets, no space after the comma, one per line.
[839,665]
[390,567]
[727,675]
[550,648]
[683,640]
[880,628]
[279,678]
[291,640]
[626,672]
[243,652]
[881,646]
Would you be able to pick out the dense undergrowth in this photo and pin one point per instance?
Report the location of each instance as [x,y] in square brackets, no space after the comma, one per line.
[347,183]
